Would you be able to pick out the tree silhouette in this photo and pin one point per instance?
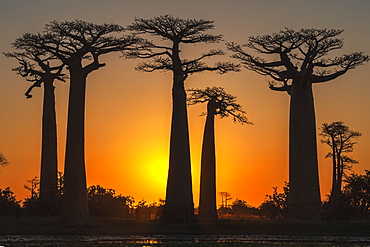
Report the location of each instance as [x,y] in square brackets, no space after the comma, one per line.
[175,32]
[299,62]
[8,203]
[357,195]
[225,196]
[33,188]
[78,44]
[275,205]
[35,66]
[240,208]
[222,104]
[104,202]
[341,140]
[3,160]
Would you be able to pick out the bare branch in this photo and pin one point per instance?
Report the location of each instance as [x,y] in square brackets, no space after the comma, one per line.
[285,87]
[211,53]
[158,63]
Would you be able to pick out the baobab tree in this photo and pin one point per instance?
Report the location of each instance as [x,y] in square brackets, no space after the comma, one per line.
[341,140]
[78,45]
[299,60]
[219,103]
[175,32]
[35,66]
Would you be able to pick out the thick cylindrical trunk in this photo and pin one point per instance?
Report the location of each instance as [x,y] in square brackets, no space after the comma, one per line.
[179,205]
[75,205]
[207,200]
[49,163]
[304,198]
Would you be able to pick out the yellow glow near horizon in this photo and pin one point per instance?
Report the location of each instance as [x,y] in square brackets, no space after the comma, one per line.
[156,171]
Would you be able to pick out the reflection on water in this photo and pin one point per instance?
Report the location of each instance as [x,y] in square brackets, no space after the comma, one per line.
[180,240]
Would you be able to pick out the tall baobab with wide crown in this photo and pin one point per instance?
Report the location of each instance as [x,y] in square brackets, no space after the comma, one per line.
[78,44]
[175,32]
[219,103]
[299,60]
[35,66]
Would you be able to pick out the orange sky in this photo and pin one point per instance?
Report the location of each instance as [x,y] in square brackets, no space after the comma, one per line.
[128,112]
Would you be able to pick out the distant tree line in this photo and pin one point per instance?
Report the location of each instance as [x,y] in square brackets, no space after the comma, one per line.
[105,202]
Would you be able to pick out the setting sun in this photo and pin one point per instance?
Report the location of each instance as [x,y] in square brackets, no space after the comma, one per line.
[156,169]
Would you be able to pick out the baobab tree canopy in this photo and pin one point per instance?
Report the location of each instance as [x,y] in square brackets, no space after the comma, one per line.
[225,104]
[36,66]
[79,39]
[340,139]
[301,56]
[177,30]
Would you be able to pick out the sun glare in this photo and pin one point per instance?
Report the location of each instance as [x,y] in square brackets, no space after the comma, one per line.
[156,170]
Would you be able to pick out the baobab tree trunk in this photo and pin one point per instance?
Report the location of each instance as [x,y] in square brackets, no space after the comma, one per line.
[179,205]
[328,211]
[335,169]
[333,203]
[75,205]
[207,201]
[336,191]
[304,198]
[49,163]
